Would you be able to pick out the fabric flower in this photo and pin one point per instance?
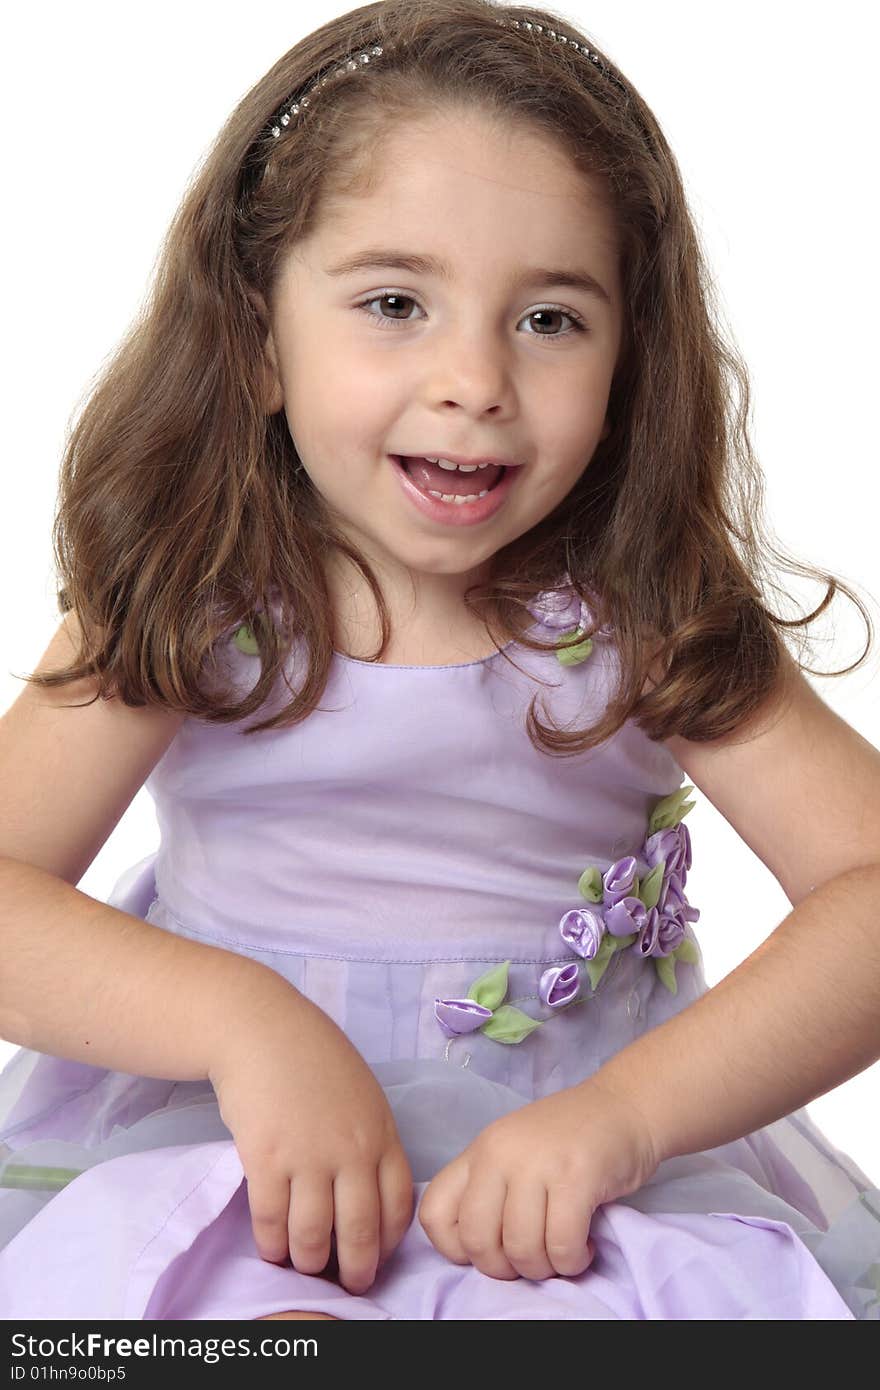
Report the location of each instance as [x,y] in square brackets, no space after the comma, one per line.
[647,938]
[675,912]
[617,882]
[483,1009]
[662,934]
[626,916]
[563,608]
[557,608]
[559,984]
[674,902]
[582,930]
[670,935]
[672,845]
[460,1015]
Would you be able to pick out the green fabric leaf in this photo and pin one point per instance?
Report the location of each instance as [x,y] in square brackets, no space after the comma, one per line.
[610,946]
[649,888]
[491,987]
[596,969]
[510,1025]
[245,641]
[574,655]
[619,943]
[665,967]
[688,952]
[670,810]
[599,964]
[590,884]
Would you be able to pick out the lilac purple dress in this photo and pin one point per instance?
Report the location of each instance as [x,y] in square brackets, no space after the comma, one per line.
[488,924]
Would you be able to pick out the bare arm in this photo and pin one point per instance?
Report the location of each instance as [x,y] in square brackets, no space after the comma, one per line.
[83,980]
[800,1016]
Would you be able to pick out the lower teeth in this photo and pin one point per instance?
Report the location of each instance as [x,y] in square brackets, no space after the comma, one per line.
[453,497]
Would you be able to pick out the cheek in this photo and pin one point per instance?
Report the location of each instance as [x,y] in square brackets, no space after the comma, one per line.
[573,403]
[345,398]
[571,433]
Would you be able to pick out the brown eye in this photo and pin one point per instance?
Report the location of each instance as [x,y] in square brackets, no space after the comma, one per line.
[394,299]
[545,313]
[550,310]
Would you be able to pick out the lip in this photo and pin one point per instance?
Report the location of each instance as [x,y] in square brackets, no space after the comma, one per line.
[457,513]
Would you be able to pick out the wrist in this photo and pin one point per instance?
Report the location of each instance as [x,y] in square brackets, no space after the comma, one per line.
[250,1001]
[618,1081]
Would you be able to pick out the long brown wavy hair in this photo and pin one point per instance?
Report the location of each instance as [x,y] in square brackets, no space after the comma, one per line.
[182,511]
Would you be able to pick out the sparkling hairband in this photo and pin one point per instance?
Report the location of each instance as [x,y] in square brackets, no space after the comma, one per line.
[292,108]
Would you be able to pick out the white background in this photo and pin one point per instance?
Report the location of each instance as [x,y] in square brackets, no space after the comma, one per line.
[770,110]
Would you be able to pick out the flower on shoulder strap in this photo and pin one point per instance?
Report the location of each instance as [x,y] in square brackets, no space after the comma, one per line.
[563,609]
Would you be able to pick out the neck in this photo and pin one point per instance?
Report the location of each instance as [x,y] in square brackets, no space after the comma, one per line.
[423,609]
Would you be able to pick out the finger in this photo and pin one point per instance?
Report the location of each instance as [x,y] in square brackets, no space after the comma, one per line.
[438,1210]
[269,1202]
[567,1229]
[480,1216]
[310,1221]
[396,1199]
[356,1221]
[523,1229]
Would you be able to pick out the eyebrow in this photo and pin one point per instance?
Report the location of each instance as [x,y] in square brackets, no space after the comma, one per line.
[380,258]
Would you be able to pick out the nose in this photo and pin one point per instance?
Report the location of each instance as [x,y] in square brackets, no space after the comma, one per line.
[470,368]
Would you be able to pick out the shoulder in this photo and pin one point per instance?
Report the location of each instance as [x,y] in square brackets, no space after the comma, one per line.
[799,785]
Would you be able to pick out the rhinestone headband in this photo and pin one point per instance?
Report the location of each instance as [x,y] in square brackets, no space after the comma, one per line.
[291,108]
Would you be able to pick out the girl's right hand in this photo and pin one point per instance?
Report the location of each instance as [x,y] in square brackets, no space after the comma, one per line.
[315,1135]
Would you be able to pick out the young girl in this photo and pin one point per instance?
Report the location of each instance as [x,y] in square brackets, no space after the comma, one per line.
[398,557]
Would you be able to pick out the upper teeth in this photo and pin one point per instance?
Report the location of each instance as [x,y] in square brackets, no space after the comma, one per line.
[462,467]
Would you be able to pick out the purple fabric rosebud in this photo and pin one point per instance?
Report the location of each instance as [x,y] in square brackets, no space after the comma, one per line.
[587,619]
[662,933]
[626,916]
[647,939]
[673,845]
[582,930]
[673,901]
[460,1015]
[617,882]
[670,935]
[557,608]
[559,984]
[562,608]
[675,913]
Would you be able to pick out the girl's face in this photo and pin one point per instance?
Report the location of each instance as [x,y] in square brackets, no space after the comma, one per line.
[482,354]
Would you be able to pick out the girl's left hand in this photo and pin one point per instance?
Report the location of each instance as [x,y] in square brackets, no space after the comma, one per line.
[518,1201]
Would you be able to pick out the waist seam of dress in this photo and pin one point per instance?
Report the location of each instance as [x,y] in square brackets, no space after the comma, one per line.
[362,960]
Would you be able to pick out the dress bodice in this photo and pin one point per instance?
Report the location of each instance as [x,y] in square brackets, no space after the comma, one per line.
[409,808]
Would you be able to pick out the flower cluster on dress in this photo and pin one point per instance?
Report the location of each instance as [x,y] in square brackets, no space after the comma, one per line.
[647,916]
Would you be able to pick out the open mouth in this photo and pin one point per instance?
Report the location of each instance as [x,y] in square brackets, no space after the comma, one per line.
[451,498]
[451,485]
